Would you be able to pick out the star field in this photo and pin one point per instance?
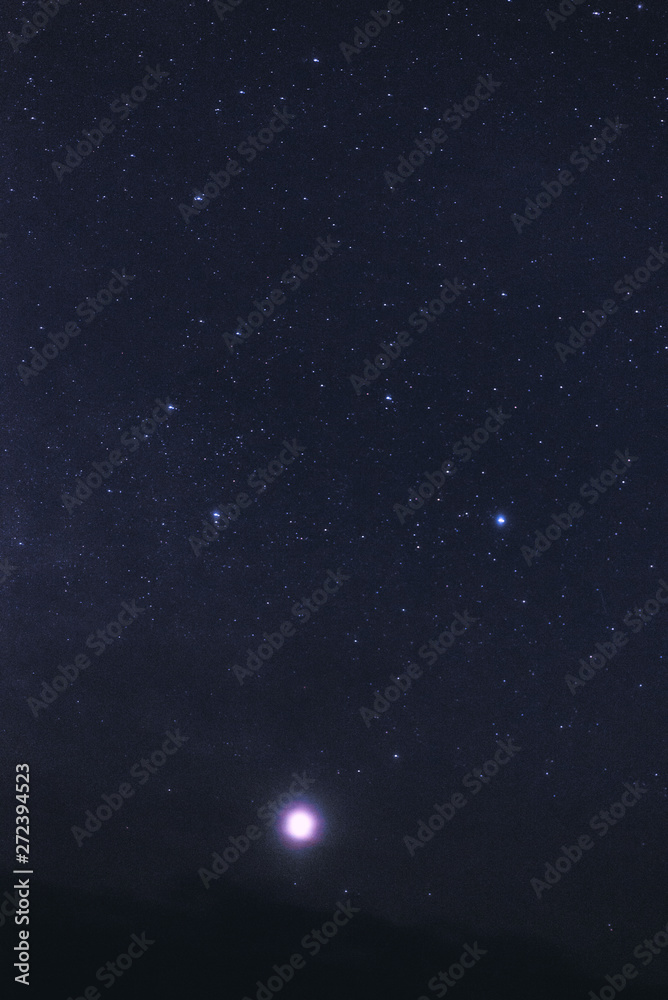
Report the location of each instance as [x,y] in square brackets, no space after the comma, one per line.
[349,449]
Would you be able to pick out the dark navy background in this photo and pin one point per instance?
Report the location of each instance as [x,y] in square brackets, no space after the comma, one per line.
[333,507]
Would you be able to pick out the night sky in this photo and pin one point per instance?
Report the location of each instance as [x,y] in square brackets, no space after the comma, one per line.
[333,451]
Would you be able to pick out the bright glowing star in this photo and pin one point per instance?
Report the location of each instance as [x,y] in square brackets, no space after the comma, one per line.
[300,824]
[300,827]
[500,519]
